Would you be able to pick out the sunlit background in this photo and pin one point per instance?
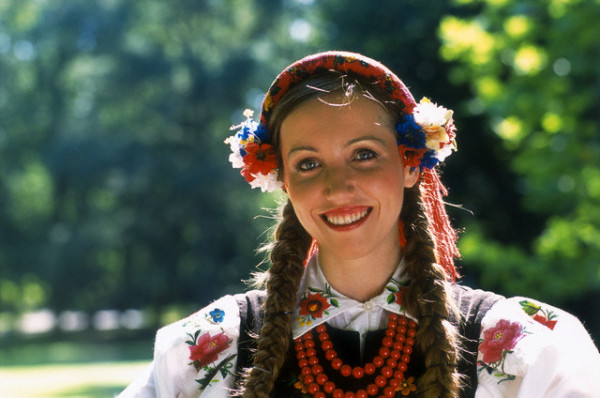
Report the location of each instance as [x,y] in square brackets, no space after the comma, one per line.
[119,212]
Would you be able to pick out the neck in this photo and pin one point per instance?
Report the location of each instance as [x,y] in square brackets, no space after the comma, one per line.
[359,278]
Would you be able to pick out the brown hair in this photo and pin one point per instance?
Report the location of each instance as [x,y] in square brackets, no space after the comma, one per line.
[428,296]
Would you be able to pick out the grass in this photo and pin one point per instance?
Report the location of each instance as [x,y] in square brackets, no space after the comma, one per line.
[85,380]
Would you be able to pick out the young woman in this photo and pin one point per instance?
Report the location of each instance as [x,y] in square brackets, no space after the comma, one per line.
[361,299]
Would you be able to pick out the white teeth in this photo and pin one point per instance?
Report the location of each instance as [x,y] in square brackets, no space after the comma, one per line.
[347,219]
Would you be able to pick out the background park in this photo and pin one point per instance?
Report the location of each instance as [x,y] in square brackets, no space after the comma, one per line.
[119,211]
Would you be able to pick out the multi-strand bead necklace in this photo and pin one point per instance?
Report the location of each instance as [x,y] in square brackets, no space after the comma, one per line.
[390,363]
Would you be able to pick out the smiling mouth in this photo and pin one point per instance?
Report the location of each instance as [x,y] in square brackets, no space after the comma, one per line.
[346,217]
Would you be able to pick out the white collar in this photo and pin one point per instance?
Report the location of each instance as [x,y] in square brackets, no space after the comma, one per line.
[317,301]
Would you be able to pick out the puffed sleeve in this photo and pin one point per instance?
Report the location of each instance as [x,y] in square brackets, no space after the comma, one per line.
[531,349]
[193,357]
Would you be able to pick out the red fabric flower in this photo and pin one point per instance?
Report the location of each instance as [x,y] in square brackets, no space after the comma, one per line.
[314,305]
[545,321]
[503,336]
[207,348]
[259,158]
[399,297]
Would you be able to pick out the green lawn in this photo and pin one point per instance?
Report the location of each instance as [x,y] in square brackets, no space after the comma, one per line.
[86,380]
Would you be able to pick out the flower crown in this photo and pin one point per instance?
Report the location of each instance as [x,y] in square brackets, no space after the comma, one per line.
[426,137]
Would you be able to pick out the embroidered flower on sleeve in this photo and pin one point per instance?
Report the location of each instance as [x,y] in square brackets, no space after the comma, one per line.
[216,316]
[207,348]
[407,386]
[544,316]
[498,342]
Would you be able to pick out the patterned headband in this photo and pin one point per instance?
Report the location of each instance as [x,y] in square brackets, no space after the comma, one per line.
[426,136]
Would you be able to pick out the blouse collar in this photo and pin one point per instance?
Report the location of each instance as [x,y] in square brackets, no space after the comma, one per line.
[317,301]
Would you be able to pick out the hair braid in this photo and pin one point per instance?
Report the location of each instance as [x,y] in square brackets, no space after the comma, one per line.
[287,254]
[429,298]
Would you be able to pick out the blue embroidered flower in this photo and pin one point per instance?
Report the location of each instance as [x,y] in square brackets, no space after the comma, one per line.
[217,315]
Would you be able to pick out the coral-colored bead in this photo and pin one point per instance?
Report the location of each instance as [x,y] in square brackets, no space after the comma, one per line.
[346,370]
[329,387]
[330,354]
[411,332]
[311,352]
[412,324]
[403,321]
[397,346]
[298,340]
[394,382]
[309,344]
[380,381]
[400,338]
[370,368]
[387,371]
[316,369]
[299,347]
[320,394]
[392,325]
[391,362]
[322,378]
[402,367]
[405,358]
[389,392]
[308,379]
[336,363]
[300,355]
[401,330]
[323,336]
[306,371]
[312,388]
[313,361]
[307,336]
[387,342]
[338,393]
[395,354]
[378,361]
[362,394]
[358,372]
[398,376]
[349,394]
[410,342]
[393,317]
[321,328]
[383,351]
[372,389]
[390,332]
[327,345]
[302,363]
[407,350]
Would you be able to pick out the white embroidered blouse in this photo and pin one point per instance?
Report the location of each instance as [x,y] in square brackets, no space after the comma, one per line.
[526,348]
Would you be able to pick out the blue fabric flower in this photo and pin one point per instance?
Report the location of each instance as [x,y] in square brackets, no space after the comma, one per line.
[261,133]
[217,315]
[429,160]
[410,133]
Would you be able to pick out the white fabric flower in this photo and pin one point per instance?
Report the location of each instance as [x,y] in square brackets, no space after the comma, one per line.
[266,183]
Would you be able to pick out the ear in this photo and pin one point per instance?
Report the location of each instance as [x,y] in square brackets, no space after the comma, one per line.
[411,176]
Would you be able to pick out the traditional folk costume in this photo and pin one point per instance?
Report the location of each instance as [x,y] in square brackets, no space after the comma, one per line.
[342,348]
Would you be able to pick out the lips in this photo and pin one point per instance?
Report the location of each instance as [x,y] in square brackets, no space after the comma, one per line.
[347,217]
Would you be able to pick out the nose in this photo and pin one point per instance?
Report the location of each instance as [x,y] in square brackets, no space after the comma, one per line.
[339,183]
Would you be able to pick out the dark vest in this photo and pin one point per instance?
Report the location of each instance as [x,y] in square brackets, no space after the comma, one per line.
[473,305]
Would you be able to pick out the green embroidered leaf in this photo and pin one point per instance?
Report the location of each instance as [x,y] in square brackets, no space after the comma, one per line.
[334,302]
[392,289]
[391,298]
[315,290]
[529,307]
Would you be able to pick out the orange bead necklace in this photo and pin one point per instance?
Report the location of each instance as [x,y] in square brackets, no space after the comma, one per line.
[392,362]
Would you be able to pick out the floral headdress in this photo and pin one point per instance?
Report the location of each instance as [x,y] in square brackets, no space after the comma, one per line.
[426,136]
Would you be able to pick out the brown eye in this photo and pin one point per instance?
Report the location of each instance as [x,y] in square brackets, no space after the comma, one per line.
[307,165]
[365,154]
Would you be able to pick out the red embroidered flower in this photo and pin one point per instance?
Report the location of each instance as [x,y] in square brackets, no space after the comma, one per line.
[207,348]
[503,336]
[407,386]
[260,158]
[314,305]
[399,297]
[545,321]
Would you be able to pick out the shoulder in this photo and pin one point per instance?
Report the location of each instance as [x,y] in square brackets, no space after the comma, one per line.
[198,353]
[526,344]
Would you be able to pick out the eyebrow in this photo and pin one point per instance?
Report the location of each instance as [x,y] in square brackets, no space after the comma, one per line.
[346,145]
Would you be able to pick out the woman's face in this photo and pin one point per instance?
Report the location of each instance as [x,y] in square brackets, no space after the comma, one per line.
[344,174]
